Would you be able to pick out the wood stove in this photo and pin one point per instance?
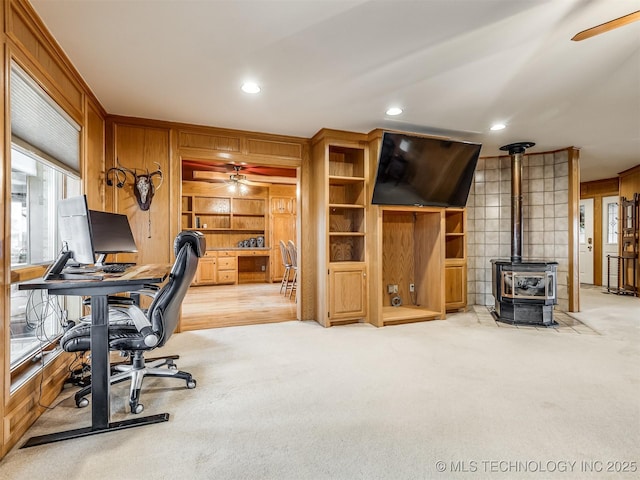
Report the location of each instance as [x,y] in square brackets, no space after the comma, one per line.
[524,291]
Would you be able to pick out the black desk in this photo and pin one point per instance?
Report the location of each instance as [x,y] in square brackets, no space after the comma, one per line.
[133,279]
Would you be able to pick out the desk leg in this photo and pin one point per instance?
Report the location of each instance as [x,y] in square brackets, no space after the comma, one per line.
[100,369]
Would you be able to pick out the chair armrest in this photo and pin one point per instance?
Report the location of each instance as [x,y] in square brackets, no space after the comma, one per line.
[141,323]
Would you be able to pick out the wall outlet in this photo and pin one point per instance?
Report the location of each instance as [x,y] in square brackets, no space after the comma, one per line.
[412,287]
[392,288]
[264,268]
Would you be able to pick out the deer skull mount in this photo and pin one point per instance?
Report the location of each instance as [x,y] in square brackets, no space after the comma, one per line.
[143,186]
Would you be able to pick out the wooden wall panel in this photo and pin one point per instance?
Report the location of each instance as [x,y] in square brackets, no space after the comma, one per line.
[397,254]
[630,182]
[27,41]
[143,148]
[93,167]
[28,34]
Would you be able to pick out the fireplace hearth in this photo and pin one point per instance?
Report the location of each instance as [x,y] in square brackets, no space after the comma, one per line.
[525,291]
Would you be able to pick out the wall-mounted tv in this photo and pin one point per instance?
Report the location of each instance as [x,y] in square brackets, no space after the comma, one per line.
[421,171]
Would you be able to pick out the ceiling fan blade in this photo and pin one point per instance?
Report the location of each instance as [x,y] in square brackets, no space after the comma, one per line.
[605,27]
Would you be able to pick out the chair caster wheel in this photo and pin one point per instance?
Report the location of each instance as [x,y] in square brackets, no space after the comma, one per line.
[191,384]
[172,366]
[138,408]
[81,403]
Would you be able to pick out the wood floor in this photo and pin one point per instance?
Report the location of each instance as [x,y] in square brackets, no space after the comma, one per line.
[234,305]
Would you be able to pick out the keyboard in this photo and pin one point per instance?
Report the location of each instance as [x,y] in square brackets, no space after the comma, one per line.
[116,267]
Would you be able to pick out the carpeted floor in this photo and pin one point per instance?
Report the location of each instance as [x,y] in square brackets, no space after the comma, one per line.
[461,398]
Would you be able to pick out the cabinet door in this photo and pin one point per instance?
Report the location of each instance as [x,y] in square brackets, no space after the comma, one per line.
[206,273]
[283,227]
[455,279]
[347,291]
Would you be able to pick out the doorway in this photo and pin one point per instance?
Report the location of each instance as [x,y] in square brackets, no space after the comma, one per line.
[232,204]
[586,241]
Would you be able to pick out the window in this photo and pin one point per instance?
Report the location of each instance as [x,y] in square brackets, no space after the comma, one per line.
[36,186]
[612,223]
[45,159]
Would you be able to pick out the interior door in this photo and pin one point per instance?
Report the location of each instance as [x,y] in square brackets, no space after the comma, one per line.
[586,240]
[610,214]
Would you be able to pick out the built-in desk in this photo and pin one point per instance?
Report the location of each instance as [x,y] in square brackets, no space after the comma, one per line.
[221,266]
[135,278]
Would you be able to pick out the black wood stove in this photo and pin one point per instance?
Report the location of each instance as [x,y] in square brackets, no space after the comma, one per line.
[524,291]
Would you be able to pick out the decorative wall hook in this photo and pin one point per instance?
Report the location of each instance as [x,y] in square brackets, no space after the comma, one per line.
[143,186]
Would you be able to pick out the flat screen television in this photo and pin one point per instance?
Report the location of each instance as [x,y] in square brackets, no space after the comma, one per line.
[111,234]
[423,171]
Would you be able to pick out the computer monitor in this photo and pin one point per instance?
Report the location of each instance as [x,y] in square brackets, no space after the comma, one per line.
[74,230]
[111,234]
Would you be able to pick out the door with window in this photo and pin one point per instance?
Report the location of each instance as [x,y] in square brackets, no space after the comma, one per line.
[586,240]
[610,214]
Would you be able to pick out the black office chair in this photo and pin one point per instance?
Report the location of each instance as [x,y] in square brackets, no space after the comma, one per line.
[134,331]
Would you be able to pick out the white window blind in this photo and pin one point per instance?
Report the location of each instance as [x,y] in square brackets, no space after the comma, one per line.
[39,121]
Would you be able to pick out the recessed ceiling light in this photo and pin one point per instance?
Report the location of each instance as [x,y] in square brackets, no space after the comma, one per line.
[498,126]
[394,111]
[250,87]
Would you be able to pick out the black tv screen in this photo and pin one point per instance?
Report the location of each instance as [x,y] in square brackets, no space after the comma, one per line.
[421,171]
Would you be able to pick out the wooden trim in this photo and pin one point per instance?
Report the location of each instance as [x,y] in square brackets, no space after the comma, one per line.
[574,216]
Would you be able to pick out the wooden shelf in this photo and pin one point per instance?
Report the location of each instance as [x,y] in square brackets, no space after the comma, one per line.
[406,313]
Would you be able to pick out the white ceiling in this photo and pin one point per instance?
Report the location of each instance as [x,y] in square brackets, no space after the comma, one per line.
[455,66]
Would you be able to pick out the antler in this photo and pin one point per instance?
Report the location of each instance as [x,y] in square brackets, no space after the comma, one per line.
[157,172]
[120,173]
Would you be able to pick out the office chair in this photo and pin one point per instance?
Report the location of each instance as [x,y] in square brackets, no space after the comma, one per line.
[286,262]
[134,331]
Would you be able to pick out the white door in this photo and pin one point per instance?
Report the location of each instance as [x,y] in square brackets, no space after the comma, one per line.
[610,213]
[586,240]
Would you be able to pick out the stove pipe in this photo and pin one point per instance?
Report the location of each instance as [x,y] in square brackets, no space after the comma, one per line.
[516,151]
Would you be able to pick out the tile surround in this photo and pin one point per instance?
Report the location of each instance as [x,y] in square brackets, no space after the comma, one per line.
[545,188]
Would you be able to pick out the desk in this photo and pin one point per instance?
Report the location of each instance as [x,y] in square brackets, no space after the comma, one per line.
[133,279]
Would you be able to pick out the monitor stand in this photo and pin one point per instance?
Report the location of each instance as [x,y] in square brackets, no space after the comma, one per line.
[56,270]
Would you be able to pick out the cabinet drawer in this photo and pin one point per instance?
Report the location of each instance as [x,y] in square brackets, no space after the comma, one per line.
[226,276]
[227,263]
[209,253]
[226,253]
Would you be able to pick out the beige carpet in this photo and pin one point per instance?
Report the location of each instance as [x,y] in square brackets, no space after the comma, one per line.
[295,401]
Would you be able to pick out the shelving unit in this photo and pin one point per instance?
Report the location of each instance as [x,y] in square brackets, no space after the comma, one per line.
[455,259]
[629,246]
[340,184]
[225,221]
[412,255]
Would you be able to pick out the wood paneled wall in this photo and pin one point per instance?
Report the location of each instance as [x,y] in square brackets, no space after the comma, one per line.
[27,42]
[138,143]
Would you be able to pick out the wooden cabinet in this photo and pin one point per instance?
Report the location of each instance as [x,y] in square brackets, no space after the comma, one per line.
[206,273]
[340,162]
[282,225]
[227,269]
[455,259]
[225,218]
[347,291]
[408,268]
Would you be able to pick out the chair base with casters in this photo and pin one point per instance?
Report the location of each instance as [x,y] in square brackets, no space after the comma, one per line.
[135,371]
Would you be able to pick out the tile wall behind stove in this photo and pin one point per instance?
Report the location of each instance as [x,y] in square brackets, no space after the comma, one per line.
[545,217]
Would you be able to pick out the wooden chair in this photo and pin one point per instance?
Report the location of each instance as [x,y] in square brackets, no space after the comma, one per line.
[286,262]
[293,258]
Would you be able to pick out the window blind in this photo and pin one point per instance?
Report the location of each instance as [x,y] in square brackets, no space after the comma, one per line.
[39,121]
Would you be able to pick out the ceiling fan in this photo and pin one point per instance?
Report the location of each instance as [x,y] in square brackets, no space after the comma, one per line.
[607,26]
